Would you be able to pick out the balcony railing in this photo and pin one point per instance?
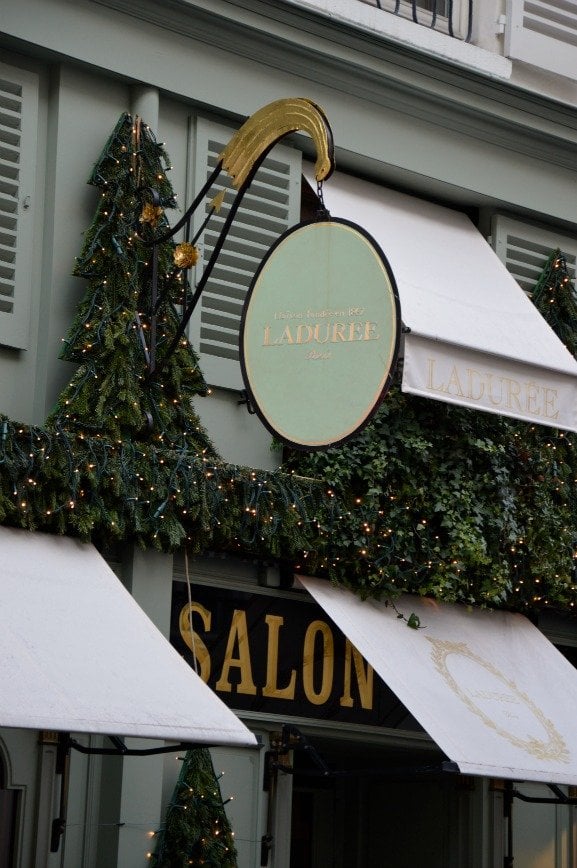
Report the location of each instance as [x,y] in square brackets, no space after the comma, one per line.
[453,17]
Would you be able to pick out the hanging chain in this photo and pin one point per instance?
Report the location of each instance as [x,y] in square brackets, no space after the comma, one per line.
[322,210]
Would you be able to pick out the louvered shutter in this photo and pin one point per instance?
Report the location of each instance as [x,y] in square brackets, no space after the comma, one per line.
[270,206]
[544,34]
[18,135]
[525,248]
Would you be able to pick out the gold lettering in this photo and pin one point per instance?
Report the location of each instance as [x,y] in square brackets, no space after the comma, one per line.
[431,371]
[370,328]
[364,678]
[549,401]
[271,688]
[237,638]
[500,391]
[322,333]
[300,332]
[532,398]
[356,331]
[286,337]
[193,640]
[318,628]
[492,399]
[513,392]
[471,375]
[455,382]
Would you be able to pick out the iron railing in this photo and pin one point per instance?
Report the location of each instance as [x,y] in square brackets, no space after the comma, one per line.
[454,17]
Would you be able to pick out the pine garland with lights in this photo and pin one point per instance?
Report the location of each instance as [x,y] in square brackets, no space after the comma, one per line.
[196,829]
[123,455]
[103,490]
[429,498]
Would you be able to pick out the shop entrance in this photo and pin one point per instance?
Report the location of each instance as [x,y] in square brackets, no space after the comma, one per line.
[8,815]
[370,816]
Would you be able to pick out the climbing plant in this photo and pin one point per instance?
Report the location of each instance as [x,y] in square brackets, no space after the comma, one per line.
[429,498]
[450,502]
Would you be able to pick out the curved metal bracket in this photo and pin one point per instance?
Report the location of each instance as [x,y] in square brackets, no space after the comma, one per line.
[241,160]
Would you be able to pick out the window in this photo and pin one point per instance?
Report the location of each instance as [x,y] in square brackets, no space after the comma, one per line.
[18,133]
[543,34]
[525,247]
[270,206]
[438,6]
[442,15]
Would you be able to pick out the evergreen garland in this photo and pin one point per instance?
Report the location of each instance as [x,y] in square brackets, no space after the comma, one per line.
[429,498]
[123,454]
[159,497]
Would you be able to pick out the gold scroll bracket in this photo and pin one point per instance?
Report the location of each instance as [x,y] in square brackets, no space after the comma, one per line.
[270,124]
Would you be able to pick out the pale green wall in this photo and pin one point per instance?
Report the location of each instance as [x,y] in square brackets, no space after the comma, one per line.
[422,143]
[543,835]
[83,112]
[433,130]
[467,134]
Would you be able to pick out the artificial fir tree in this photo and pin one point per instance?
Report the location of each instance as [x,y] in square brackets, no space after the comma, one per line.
[114,393]
[196,830]
[554,296]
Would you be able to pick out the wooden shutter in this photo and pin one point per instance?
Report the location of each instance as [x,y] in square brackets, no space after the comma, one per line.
[525,248]
[18,135]
[270,206]
[544,34]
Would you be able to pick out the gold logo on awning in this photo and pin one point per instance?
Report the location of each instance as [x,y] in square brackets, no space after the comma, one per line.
[498,696]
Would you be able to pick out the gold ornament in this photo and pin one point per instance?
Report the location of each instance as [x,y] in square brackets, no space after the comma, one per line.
[185,255]
[269,124]
[151,214]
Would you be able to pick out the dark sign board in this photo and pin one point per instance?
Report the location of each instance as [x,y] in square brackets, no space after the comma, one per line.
[278,656]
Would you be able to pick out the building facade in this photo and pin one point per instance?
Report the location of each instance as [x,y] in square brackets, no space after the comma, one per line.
[471,106]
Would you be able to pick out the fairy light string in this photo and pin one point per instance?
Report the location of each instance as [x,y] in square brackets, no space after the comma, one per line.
[196,830]
[428,499]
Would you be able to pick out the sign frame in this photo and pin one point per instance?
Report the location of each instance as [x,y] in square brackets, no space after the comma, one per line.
[389,369]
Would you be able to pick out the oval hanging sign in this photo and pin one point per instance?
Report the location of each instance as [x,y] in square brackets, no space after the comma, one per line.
[320,333]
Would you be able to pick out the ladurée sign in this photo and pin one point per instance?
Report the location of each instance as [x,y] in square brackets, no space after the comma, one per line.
[509,394]
[320,333]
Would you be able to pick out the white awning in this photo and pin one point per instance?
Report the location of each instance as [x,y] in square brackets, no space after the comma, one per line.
[79,655]
[492,692]
[475,338]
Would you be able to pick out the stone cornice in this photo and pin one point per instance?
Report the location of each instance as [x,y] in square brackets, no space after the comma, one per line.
[367,65]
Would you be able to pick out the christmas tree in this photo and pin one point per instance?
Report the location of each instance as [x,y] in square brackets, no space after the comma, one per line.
[121,331]
[554,297]
[196,830]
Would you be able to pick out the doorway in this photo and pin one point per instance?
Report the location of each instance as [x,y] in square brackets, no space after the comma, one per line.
[379,811]
[8,820]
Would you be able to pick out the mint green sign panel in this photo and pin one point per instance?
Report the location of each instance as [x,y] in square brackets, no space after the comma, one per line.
[320,333]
